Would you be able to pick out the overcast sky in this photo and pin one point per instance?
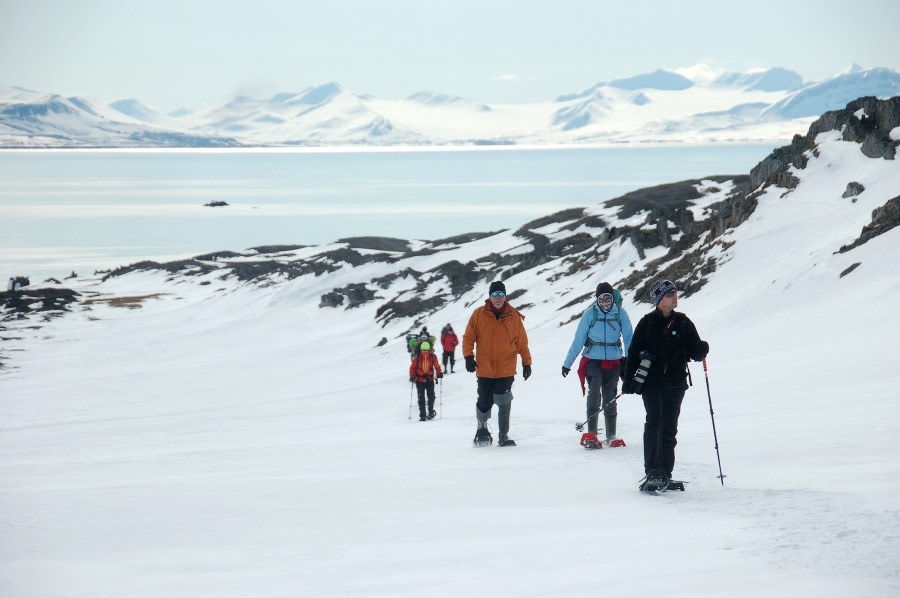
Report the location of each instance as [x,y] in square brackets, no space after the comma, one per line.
[174,53]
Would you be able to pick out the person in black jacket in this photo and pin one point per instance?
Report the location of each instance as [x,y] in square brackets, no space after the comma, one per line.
[670,339]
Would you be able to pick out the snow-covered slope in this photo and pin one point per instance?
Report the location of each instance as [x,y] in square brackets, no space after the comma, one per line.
[238,424]
[693,105]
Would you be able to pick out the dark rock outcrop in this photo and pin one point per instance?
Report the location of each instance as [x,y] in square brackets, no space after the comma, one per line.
[853,189]
[14,304]
[883,219]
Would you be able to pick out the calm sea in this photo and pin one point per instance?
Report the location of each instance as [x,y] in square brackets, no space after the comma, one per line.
[84,210]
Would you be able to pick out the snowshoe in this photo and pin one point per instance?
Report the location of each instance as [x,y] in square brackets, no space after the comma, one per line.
[506,442]
[422,418]
[656,481]
[675,485]
[432,414]
[615,443]
[590,441]
[483,437]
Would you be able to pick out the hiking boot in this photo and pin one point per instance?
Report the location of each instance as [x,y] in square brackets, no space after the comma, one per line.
[483,437]
[432,414]
[422,418]
[656,480]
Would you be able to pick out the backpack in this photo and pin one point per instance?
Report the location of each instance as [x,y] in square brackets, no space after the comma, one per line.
[595,315]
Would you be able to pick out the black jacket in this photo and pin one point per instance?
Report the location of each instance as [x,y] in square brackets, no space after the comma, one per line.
[672,341]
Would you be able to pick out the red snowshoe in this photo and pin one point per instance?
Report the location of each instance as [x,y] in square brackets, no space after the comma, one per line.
[590,441]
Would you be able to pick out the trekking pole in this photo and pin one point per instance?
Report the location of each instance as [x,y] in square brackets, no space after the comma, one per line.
[441,401]
[410,400]
[580,427]
[712,417]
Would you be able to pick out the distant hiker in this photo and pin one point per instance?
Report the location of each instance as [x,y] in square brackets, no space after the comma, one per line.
[449,340]
[494,337]
[663,342]
[603,328]
[423,370]
[412,345]
[414,340]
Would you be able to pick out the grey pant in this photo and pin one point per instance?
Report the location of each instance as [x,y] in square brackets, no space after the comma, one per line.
[601,385]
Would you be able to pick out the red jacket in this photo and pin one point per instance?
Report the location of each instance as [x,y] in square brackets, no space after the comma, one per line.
[449,340]
[424,366]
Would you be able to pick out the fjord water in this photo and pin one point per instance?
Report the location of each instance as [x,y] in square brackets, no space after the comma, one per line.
[87,210]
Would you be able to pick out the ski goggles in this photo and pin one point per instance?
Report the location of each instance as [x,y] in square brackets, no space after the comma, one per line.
[605,298]
[498,294]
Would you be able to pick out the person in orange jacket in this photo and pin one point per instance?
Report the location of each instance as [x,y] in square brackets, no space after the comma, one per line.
[423,370]
[495,336]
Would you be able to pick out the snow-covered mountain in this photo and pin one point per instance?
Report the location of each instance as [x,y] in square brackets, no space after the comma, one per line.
[32,119]
[237,423]
[694,105]
[820,97]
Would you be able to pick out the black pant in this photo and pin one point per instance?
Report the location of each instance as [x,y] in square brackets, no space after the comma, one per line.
[451,357]
[663,406]
[488,387]
[421,389]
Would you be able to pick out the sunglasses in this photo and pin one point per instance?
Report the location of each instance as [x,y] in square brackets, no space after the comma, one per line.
[671,293]
[498,294]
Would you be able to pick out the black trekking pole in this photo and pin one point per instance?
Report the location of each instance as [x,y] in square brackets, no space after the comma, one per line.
[410,400]
[580,427]
[712,417]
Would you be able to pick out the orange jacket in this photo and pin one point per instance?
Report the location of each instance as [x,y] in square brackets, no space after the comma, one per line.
[495,341]
[424,366]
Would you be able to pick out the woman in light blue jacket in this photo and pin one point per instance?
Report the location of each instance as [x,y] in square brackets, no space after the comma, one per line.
[603,328]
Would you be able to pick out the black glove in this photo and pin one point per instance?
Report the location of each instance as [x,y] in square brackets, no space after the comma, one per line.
[412,378]
[628,387]
[701,351]
[566,371]
[526,371]
[440,375]
[622,361]
[470,363]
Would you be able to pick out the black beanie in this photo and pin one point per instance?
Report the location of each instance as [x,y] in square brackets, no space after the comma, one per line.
[604,287]
[497,286]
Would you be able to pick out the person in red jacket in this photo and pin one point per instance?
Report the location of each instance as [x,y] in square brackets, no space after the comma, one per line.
[423,370]
[449,340]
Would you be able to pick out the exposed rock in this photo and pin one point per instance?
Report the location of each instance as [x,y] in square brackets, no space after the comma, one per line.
[850,269]
[883,219]
[853,189]
[462,239]
[28,300]
[871,129]
[277,248]
[377,243]
[356,294]
[215,204]
[774,169]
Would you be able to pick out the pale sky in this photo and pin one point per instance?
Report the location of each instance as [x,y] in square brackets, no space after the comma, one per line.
[194,53]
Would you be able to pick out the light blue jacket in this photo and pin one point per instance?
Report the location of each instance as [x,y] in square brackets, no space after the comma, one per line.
[606,329]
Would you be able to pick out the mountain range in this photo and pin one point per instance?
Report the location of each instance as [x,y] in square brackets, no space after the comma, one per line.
[662,106]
